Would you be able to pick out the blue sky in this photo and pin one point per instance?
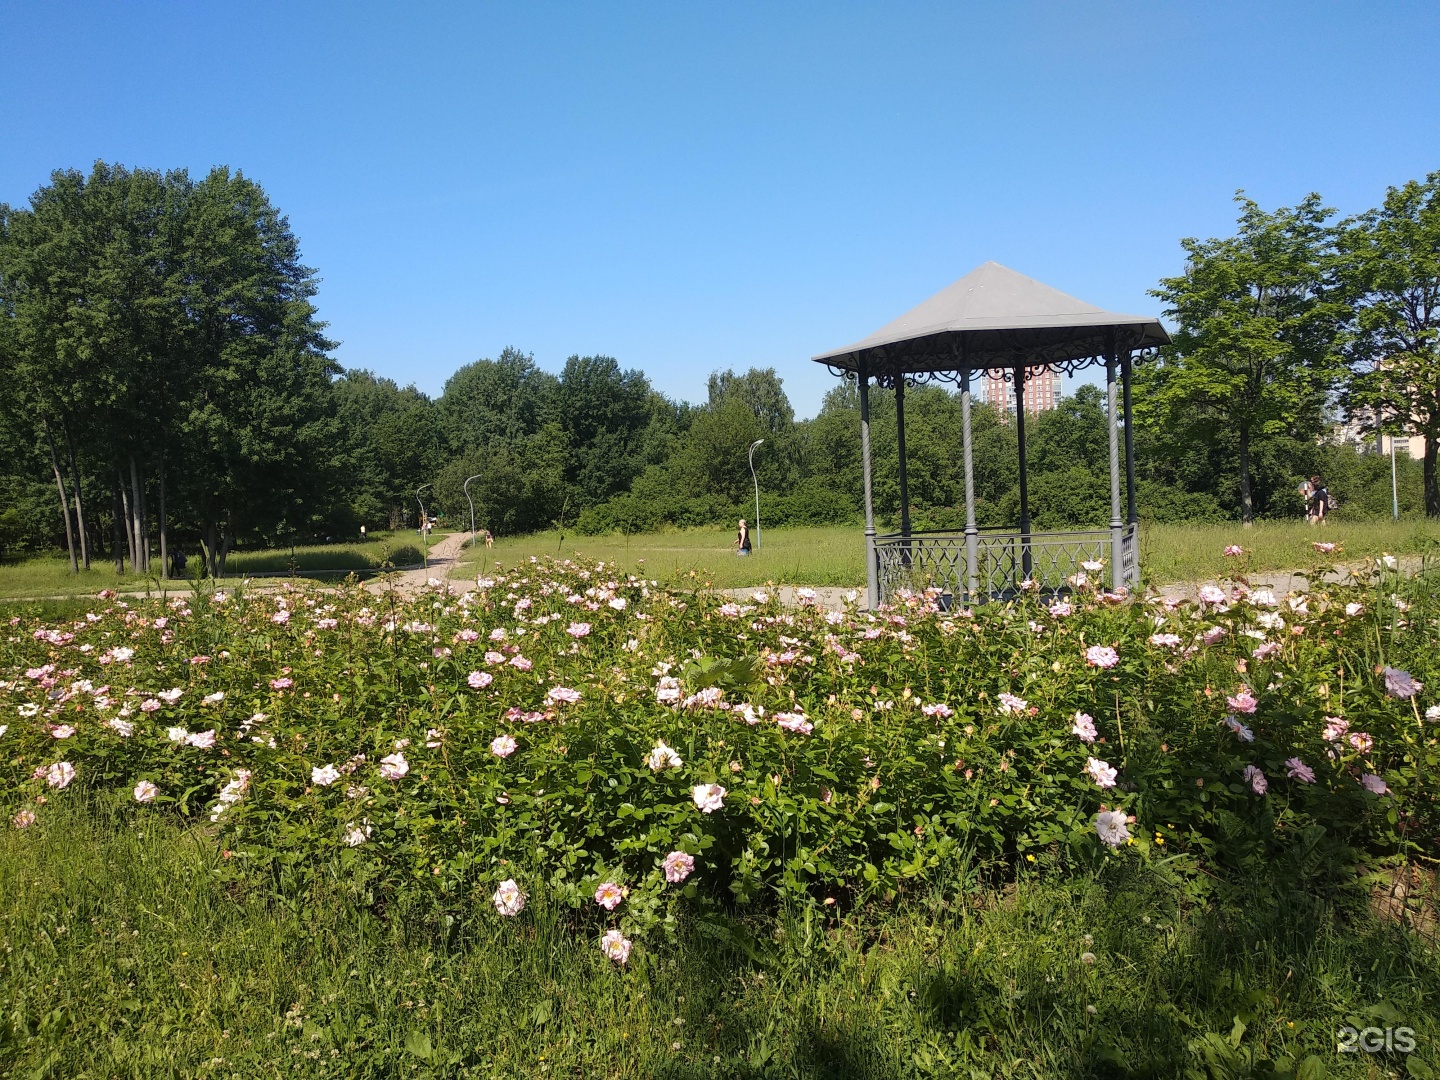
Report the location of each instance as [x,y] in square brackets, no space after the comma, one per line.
[689,187]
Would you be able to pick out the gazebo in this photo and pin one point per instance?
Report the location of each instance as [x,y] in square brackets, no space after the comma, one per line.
[994,321]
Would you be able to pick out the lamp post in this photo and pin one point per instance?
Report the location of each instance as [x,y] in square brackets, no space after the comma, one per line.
[755,478]
[472,507]
[1394,484]
[424,525]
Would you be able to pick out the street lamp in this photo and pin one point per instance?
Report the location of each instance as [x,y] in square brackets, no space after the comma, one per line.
[1394,483]
[755,478]
[424,525]
[472,507]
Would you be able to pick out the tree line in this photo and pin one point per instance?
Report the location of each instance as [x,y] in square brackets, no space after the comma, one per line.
[171,389]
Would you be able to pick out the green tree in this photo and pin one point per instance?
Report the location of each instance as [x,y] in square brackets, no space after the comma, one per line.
[1256,351]
[604,413]
[259,430]
[393,443]
[1391,266]
[494,403]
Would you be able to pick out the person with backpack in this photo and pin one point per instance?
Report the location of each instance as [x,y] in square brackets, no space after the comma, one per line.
[1321,501]
[1306,491]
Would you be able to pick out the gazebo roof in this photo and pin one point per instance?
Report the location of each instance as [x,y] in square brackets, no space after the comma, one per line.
[995,318]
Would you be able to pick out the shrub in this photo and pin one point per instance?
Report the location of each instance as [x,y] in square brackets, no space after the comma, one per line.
[565,727]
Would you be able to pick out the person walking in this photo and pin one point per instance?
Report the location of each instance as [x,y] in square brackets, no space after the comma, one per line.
[742,539]
[1320,500]
[1306,491]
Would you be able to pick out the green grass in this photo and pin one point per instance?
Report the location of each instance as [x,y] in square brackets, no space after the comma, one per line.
[1195,552]
[834,555]
[825,555]
[51,576]
[121,954]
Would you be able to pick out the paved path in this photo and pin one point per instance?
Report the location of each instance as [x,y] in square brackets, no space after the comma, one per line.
[827,597]
[443,555]
[1281,582]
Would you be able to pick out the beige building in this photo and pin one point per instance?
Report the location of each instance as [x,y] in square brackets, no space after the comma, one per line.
[1414,445]
[1358,431]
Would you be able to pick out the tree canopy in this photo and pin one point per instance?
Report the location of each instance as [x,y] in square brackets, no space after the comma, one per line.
[171,389]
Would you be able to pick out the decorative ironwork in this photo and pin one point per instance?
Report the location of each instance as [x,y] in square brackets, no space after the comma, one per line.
[945,355]
[883,373]
[926,560]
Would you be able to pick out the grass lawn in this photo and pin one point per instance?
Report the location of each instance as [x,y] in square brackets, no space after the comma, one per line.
[827,555]
[124,956]
[51,576]
[834,555]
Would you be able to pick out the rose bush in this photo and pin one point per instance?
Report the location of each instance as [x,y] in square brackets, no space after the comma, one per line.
[628,748]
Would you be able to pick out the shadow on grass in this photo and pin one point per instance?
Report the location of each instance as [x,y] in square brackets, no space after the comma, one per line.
[115,906]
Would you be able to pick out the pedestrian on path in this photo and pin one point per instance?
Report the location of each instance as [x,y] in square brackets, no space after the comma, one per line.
[742,539]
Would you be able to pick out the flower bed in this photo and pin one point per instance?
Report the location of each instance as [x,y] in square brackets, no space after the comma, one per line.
[630,748]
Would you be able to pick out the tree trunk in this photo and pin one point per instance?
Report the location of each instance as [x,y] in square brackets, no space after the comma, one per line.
[1247,503]
[214,543]
[142,553]
[79,505]
[164,547]
[64,502]
[119,529]
[129,521]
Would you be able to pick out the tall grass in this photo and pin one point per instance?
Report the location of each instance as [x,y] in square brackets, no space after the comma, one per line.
[124,956]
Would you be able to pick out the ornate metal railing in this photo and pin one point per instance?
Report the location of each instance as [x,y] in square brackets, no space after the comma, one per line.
[1002,559]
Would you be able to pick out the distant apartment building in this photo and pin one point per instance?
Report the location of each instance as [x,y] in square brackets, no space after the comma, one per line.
[1358,430]
[1042,392]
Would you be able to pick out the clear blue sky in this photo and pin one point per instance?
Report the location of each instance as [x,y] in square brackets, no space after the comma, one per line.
[689,187]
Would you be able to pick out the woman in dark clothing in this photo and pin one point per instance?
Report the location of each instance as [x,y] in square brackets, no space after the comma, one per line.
[742,539]
[1319,499]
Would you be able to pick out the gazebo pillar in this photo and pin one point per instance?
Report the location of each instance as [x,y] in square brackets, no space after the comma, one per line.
[972,534]
[1117,528]
[900,444]
[1132,514]
[1025,560]
[872,569]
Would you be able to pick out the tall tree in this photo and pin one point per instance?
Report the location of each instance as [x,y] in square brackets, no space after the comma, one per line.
[1391,264]
[492,403]
[1257,347]
[604,413]
[260,430]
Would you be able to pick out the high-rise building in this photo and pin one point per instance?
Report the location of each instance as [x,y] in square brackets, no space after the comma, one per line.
[1042,392]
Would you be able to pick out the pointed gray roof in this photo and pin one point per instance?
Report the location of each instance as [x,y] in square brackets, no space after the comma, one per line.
[995,317]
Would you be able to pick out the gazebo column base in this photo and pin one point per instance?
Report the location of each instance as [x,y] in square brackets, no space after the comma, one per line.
[988,564]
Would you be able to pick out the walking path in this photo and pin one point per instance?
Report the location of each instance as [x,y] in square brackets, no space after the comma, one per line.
[443,556]
[1280,582]
[445,553]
